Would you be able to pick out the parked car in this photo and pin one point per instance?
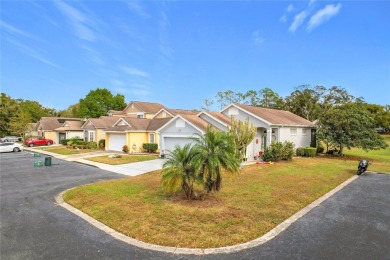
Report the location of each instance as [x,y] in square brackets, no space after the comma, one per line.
[32,141]
[10,147]
[10,139]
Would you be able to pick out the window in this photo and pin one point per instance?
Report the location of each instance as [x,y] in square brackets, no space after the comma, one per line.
[91,136]
[164,114]
[304,131]
[86,136]
[293,131]
[151,138]
[140,116]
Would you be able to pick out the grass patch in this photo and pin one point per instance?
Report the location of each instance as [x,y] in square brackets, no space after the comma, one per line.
[379,159]
[123,159]
[65,151]
[248,206]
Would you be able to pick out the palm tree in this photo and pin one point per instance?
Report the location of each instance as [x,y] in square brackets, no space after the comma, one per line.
[179,172]
[215,152]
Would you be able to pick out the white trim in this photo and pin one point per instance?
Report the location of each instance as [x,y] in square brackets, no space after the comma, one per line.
[87,122]
[162,109]
[120,119]
[175,118]
[249,113]
[207,114]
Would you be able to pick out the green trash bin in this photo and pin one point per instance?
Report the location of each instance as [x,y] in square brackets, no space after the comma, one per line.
[47,161]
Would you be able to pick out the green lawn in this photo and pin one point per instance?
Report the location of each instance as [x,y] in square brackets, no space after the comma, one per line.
[123,159]
[374,156]
[247,207]
[65,151]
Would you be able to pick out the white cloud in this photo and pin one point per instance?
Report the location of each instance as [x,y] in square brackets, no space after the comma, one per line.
[117,82]
[289,9]
[135,72]
[81,24]
[137,8]
[32,53]
[298,21]
[323,15]
[15,31]
[257,38]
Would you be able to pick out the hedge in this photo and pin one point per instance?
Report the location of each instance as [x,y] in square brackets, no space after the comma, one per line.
[306,151]
[151,148]
[278,151]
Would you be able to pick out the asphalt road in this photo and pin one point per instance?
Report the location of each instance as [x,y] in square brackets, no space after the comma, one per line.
[353,224]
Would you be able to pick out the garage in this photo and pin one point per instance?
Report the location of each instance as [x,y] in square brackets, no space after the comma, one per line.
[171,142]
[116,142]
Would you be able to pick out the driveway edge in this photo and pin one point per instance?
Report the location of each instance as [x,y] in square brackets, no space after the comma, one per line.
[195,251]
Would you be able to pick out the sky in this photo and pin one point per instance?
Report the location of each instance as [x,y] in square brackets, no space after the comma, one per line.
[179,53]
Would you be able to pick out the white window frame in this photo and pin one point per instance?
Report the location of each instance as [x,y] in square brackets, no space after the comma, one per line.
[152,136]
[91,133]
[293,131]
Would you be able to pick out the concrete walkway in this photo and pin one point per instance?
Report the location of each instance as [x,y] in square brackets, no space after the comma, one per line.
[129,169]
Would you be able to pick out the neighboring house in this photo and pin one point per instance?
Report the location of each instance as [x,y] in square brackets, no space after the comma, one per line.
[138,109]
[47,126]
[31,130]
[69,129]
[94,128]
[271,124]
[133,132]
[170,113]
[180,130]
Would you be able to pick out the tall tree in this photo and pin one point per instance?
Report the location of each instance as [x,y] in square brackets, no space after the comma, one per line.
[305,101]
[71,111]
[8,108]
[34,109]
[349,125]
[269,98]
[97,103]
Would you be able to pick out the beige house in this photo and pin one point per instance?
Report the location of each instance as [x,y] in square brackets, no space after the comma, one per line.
[138,109]
[133,132]
[94,128]
[58,128]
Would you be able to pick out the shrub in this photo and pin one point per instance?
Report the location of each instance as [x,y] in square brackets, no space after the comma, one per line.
[151,148]
[287,151]
[320,148]
[310,151]
[102,143]
[278,151]
[300,151]
[92,145]
[125,148]
[268,155]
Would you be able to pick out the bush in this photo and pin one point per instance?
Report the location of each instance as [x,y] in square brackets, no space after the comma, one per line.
[300,151]
[102,143]
[125,148]
[151,148]
[92,145]
[74,140]
[320,148]
[310,151]
[268,155]
[278,151]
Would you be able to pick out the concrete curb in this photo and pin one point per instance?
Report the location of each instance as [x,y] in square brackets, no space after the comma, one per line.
[197,251]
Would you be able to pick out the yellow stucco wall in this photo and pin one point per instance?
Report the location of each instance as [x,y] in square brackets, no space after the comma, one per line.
[100,135]
[138,139]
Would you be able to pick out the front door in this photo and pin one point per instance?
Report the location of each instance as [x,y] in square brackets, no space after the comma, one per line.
[62,136]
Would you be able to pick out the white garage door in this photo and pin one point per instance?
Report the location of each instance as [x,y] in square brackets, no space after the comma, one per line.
[116,142]
[171,142]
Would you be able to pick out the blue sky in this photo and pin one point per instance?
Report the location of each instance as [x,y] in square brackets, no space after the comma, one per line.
[179,53]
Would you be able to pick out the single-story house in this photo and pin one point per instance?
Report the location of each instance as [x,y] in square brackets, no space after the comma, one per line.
[31,130]
[133,132]
[55,128]
[272,125]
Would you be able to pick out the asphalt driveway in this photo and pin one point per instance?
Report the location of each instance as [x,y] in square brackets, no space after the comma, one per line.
[353,224]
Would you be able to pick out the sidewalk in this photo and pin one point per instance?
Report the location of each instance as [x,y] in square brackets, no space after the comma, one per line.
[129,169]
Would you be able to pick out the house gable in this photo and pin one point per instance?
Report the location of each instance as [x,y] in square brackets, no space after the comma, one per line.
[216,122]
[180,126]
[242,115]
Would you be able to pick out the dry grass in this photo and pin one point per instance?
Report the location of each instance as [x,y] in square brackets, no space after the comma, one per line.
[123,159]
[65,151]
[248,206]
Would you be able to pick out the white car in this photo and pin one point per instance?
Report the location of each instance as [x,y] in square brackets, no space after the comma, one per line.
[10,139]
[10,147]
